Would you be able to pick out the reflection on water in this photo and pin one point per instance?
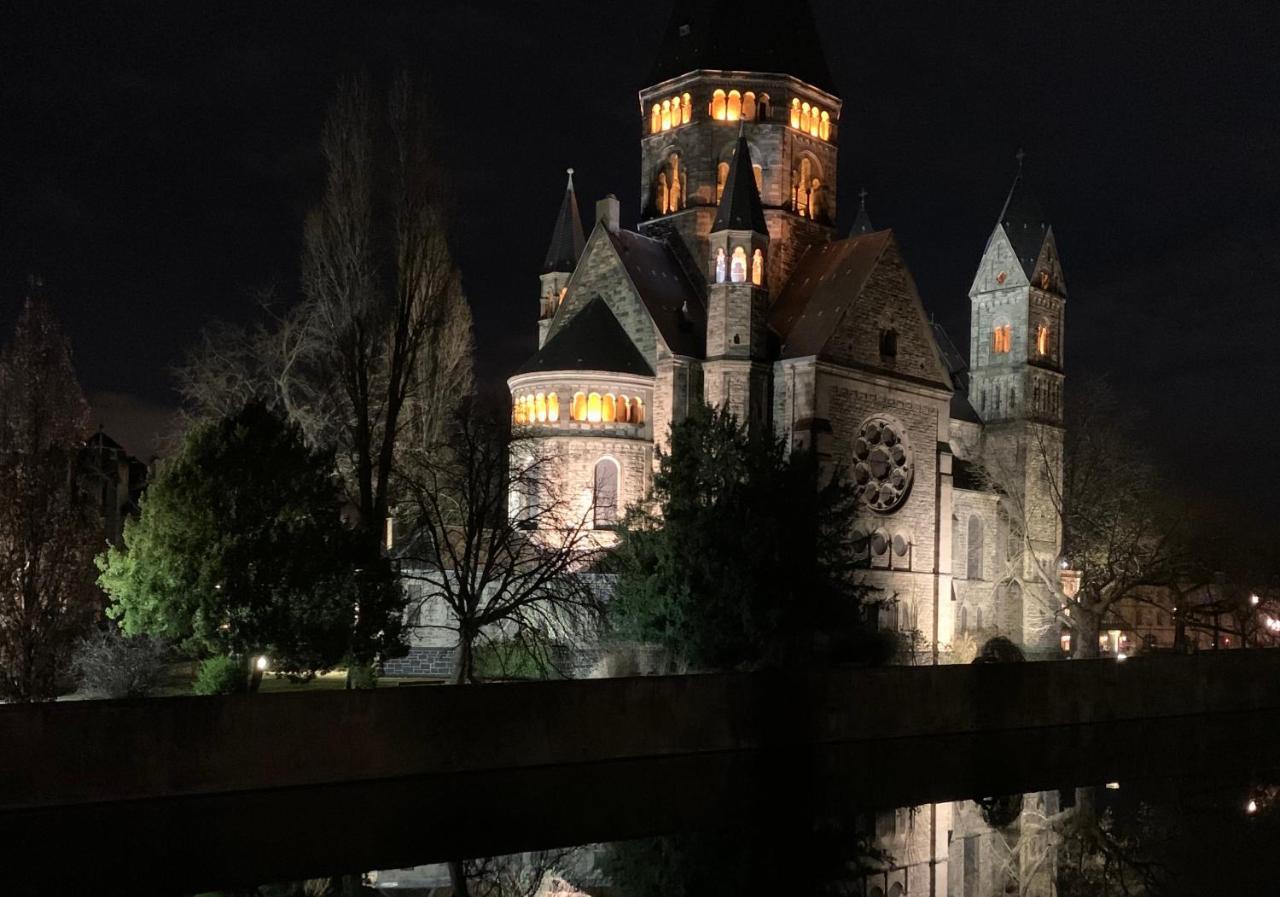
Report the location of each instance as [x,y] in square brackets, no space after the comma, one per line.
[1135,838]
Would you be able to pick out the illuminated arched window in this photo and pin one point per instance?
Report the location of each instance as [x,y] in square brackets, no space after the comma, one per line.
[593,408]
[805,116]
[637,411]
[722,176]
[718,105]
[579,410]
[815,199]
[686,109]
[735,106]
[553,407]
[795,113]
[815,123]
[675,185]
[666,114]
[605,494]
[655,119]
[563,292]
[824,129]
[802,186]
[608,408]
[973,567]
[757,267]
[517,411]
[1002,339]
[720,263]
[749,106]
[624,410]
[738,267]
[1042,340]
[762,107]
[663,193]
[759,173]
[540,408]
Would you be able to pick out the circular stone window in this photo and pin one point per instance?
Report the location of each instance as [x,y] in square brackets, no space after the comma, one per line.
[882,464]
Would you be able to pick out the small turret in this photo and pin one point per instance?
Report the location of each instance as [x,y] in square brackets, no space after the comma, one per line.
[567,242]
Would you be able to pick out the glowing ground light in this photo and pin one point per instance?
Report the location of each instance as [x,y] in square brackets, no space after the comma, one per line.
[1120,655]
[1251,807]
[262,662]
[1113,786]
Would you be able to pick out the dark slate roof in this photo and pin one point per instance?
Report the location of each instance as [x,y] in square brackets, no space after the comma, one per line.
[740,207]
[820,289]
[673,302]
[567,240]
[592,340]
[958,368]
[1025,224]
[967,475]
[861,223]
[743,35]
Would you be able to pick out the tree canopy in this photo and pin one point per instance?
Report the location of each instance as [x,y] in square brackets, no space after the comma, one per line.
[240,550]
[744,555]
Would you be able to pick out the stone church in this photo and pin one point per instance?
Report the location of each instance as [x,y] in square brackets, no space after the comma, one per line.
[740,289]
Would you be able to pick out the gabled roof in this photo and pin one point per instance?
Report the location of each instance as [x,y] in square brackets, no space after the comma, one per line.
[674,304]
[1024,223]
[740,207]
[743,35]
[958,368]
[820,289]
[592,340]
[567,240]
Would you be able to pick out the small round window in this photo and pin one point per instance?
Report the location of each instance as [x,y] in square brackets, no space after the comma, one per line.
[882,467]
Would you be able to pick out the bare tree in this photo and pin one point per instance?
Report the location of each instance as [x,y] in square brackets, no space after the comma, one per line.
[1122,532]
[48,527]
[496,540]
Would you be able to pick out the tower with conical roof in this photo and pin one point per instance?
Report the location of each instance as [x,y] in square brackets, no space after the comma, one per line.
[736,370]
[567,242]
[1016,381]
[749,67]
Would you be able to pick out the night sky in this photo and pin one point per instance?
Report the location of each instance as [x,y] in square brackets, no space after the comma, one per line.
[156,160]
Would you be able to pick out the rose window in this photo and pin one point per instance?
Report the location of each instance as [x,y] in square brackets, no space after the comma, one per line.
[882,464]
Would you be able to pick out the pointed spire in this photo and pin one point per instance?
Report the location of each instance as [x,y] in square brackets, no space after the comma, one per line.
[567,239]
[1023,220]
[862,223]
[740,207]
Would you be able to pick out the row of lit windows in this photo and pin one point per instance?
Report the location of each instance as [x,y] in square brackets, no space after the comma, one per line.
[810,119]
[670,113]
[738,266]
[733,106]
[1002,339]
[672,191]
[541,408]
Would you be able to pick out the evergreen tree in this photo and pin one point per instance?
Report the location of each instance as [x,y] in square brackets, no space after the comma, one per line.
[48,530]
[239,550]
[744,555]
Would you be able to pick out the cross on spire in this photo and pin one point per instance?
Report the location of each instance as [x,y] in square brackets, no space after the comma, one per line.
[1020,155]
[862,198]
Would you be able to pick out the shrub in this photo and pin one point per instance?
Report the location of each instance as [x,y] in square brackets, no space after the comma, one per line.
[362,676]
[517,660]
[220,676]
[110,664]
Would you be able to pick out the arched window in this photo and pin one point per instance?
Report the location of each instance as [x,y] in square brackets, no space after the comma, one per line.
[720,265]
[624,410]
[757,267]
[553,407]
[973,565]
[605,494]
[637,411]
[802,186]
[655,119]
[749,106]
[1042,340]
[738,267]
[795,114]
[718,105]
[815,123]
[593,408]
[964,618]
[722,176]
[675,191]
[666,114]
[735,106]
[1002,339]
[762,107]
[815,199]
[663,193]
[888,343]
[540,408]
[806,116]
[608,408]
[579,410]
[517,409]
[759,173]
[824,129]
[686,109]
